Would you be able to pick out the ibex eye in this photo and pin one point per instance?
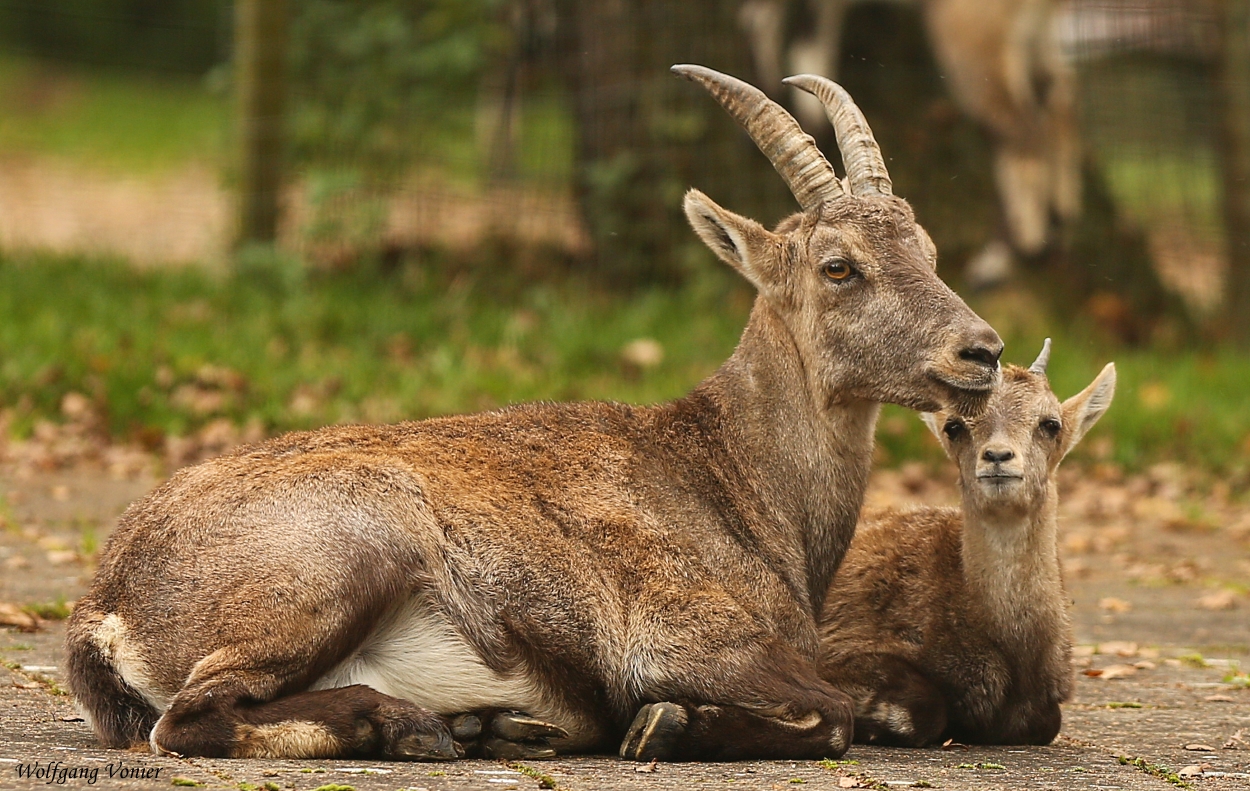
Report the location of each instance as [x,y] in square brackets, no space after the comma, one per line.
[836,269]
[954,429]
[1050,427]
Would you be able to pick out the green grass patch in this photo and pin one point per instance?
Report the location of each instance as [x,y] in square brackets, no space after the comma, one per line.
[116,119]
[1154,770]
[166,352]
[544,780]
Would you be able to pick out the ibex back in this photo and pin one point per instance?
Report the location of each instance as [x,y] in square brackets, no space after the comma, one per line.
[389,590]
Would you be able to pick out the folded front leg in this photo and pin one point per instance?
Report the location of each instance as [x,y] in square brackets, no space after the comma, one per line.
[782,710]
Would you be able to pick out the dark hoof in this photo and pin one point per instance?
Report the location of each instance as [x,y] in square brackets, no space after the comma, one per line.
[516,727]
[513,751]
[435,746]
[466,727]
[654,732]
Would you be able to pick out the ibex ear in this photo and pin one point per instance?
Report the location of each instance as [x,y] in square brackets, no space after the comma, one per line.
[935,425]
[1081,411]
[742,243]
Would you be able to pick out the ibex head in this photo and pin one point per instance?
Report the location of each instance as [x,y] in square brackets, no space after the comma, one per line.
[1008,452]
[852,275]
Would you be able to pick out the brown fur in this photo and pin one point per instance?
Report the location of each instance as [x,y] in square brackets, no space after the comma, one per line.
[573,560]
[953,623]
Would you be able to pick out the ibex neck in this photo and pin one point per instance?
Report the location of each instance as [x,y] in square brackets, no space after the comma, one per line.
[808,460]
[1011,566]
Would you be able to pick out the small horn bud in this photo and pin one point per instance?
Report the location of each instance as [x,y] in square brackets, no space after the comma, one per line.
[1039,365]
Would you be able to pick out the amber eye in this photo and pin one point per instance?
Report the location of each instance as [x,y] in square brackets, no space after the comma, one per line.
[954,429]
[836,269]
[1050,427]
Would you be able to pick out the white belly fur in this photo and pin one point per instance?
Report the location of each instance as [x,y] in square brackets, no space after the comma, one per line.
[416,654]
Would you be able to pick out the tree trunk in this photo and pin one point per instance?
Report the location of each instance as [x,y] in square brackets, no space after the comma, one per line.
[260,61]
[1234,139]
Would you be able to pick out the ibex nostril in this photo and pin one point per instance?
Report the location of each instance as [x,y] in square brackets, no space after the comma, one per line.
[997,456]
[982,354]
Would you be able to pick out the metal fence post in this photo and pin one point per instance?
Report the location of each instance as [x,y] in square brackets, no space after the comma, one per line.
[260,29]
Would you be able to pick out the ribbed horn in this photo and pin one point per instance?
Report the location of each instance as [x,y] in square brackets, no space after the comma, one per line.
[1043,359]
[865,167]
[793,153]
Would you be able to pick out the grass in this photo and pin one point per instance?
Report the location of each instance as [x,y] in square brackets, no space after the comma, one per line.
[111,119]
[1154,770]
[166,352]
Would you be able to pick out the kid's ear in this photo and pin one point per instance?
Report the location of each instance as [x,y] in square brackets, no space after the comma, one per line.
[935,425]
[1082,411]
[742,243]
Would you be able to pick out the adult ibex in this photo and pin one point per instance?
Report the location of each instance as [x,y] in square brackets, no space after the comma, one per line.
[377,590]
[953,623]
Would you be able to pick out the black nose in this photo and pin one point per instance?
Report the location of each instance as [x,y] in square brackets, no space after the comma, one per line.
[997,456]
[984,347]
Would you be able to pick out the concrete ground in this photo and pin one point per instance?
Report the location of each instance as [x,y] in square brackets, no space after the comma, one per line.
[1157,570]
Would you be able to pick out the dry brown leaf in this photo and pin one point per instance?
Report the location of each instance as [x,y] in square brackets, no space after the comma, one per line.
[1193,770]
[1144,665]
[1200,748]
[1113,604]
[1219,698]
[1219,600]
[1118,647]
[1116,671]
[650,767]
[848,782]
[60,557]
[1084,650]
[12,615]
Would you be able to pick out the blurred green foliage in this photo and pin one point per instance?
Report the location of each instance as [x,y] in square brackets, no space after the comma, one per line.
[370,80]
[156,35]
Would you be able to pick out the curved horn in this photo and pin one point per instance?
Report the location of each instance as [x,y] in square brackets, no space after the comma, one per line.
[865,168]
[793,153]
[1039,365]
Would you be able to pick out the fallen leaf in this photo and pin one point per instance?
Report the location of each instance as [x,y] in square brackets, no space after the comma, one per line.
[951,744]
[1116,671]
[12,615]
[71,718]
[1200,748]
[1219,698]
[848,782]
[59,557]
[1144,665]
[1117,647]
[1194,770]
[1220,600]
[1084,650]
[1113,604]
[648,767]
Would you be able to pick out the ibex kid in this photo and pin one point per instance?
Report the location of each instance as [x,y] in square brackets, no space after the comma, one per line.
[953,623]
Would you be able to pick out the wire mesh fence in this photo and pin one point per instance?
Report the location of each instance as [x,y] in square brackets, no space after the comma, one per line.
[1084,139]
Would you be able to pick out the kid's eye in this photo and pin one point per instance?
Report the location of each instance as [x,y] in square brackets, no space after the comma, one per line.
[1050,427]
[954,429]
